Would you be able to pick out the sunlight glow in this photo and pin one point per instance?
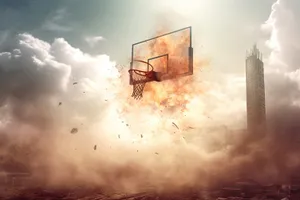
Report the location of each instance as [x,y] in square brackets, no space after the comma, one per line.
[185,7]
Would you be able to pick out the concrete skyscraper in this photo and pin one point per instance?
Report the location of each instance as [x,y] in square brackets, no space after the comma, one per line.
[256,110]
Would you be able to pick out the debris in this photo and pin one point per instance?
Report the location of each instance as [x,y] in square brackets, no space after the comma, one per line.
[137,150]
[59,103]
[95,147]
[156,153]
[141,135]
[175,125]
[119,136]
[75,83]
[74,130]
[127,125]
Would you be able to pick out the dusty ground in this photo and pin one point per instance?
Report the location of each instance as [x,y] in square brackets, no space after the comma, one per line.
[246,189]
[86,194]
[97,194]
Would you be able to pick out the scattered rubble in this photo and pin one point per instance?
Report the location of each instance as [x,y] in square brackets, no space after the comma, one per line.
[74,130]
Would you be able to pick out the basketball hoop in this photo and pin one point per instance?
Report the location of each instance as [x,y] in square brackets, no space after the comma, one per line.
[163,61]
[140,78]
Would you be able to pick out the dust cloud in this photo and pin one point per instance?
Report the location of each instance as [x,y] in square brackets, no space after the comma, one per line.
[179,135]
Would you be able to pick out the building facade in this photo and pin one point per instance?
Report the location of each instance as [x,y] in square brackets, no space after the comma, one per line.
[255,89]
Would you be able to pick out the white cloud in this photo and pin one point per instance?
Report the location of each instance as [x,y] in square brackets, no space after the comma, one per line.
[282,67]
[36,72]
[93,41]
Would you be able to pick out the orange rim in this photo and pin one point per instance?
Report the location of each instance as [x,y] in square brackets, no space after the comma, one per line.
[142,72]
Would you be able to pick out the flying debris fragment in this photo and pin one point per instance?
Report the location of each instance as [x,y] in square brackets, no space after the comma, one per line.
[175,125]
[75,83]
[74,130]
[59,104]
[95,147]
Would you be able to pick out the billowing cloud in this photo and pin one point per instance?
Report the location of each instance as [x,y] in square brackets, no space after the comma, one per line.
[282,67]
[49,88]
[37,73]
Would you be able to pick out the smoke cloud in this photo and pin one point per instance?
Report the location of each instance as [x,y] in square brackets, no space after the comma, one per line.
[48,89]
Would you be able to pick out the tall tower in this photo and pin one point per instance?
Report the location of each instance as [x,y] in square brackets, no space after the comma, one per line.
[256,110]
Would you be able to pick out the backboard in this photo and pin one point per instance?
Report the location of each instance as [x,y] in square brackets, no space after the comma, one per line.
[170,54]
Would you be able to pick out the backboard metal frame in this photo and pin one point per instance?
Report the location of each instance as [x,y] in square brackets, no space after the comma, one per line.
[156,57]
[162,78]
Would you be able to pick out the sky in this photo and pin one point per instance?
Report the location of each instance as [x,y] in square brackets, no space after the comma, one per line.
[63,66]
[121,23]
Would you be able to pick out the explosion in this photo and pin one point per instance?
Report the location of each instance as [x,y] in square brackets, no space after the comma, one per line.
[178,91]
[115,134]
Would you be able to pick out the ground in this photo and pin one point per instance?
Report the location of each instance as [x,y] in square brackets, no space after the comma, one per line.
[96,194]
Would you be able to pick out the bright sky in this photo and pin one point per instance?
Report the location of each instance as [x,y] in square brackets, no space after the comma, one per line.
[222,29]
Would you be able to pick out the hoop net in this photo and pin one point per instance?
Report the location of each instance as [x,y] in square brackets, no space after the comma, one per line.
[140,78]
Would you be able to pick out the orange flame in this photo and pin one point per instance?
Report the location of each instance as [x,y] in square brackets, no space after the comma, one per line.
[176,92]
